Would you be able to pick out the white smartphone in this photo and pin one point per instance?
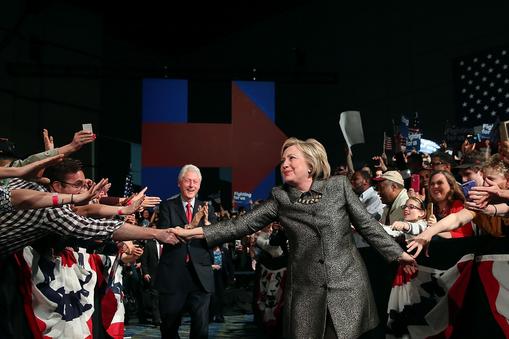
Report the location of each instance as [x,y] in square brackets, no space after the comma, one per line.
[87,127]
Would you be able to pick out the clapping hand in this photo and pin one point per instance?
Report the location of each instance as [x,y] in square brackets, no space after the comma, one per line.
[203,212]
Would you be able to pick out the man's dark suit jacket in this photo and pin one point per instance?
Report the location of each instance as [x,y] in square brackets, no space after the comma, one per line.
[172,264]
[149,260]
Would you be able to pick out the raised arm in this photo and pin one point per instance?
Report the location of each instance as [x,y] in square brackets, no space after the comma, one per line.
[372,231]
[106,211]
[80,139]
[134,232]
[228,230]
[449,223]
[367,226]
[31,171]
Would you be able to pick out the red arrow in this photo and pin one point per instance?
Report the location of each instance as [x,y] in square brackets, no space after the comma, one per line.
[250,144]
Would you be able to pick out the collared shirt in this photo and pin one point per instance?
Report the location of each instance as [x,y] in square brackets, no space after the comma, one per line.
[184,203]
[5,200]
[393,212]
[373,203]
[371,200]
[20,228]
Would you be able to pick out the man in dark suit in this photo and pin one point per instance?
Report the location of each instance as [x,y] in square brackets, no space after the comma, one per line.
[149,263]
[184,280]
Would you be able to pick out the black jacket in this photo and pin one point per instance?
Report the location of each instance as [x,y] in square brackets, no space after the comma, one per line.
[172,262]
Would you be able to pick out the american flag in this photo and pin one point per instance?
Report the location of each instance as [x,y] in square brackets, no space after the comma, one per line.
[482,87]
[128,187]
[388,143]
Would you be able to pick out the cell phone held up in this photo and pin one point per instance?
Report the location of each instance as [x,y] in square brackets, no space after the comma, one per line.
[473,138]
[87,128]
[466,187]
[415,183]
[429,209]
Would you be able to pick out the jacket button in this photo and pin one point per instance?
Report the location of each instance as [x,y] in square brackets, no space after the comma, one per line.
[321,261]
[313,214]
[324,286]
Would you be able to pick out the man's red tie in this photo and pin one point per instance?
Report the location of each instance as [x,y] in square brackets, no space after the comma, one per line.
[189,216]
[189,213]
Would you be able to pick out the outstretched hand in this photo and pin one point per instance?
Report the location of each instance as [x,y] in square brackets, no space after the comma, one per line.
[49,144]
[181,233]
[135,203]
[166,236]
[483,195]
[419,243]
[81,138]
[92,193]
[150,202]
[408,262]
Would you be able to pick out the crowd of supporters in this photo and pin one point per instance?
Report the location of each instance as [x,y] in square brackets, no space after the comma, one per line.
[52,218]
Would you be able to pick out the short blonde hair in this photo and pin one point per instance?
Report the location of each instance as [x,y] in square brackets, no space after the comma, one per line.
[496,163]
[314,153]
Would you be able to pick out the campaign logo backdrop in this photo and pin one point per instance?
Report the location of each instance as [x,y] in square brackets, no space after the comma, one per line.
[250,145]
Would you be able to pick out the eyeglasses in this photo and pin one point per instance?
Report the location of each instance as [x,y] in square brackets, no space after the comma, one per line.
[410,207]
[77,184]
[437,163]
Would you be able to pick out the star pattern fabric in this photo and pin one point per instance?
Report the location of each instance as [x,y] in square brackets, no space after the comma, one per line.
[482,87]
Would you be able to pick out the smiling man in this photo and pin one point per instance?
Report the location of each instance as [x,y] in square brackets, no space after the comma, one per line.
[185,279]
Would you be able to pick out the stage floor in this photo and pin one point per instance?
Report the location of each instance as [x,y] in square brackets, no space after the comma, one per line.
[234,327]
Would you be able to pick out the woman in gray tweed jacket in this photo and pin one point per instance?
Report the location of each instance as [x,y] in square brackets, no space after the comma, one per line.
[327,293]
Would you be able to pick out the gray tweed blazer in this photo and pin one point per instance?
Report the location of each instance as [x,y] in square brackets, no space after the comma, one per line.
[325,270]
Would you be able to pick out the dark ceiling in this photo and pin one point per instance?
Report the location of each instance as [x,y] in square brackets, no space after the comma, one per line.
[175,28]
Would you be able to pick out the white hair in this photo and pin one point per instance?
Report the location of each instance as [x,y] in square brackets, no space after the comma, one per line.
[189,168]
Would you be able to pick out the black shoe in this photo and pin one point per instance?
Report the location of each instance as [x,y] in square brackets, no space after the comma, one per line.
[143,322]
[219,319]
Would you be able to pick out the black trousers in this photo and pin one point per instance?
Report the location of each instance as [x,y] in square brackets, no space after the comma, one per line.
[216,301]
[191,298]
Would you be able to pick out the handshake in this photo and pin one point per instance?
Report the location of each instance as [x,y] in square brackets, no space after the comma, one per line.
[177,235]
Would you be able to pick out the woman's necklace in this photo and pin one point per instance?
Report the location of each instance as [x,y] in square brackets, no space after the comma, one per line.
[309,198]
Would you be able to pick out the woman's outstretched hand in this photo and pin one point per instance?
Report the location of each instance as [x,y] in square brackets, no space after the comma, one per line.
[181,233]
[408,262]
[419,243]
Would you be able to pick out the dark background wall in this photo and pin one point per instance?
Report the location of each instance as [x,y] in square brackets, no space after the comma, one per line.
[64,63]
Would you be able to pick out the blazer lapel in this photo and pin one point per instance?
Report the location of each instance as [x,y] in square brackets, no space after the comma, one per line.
[197,204]
[179,208]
